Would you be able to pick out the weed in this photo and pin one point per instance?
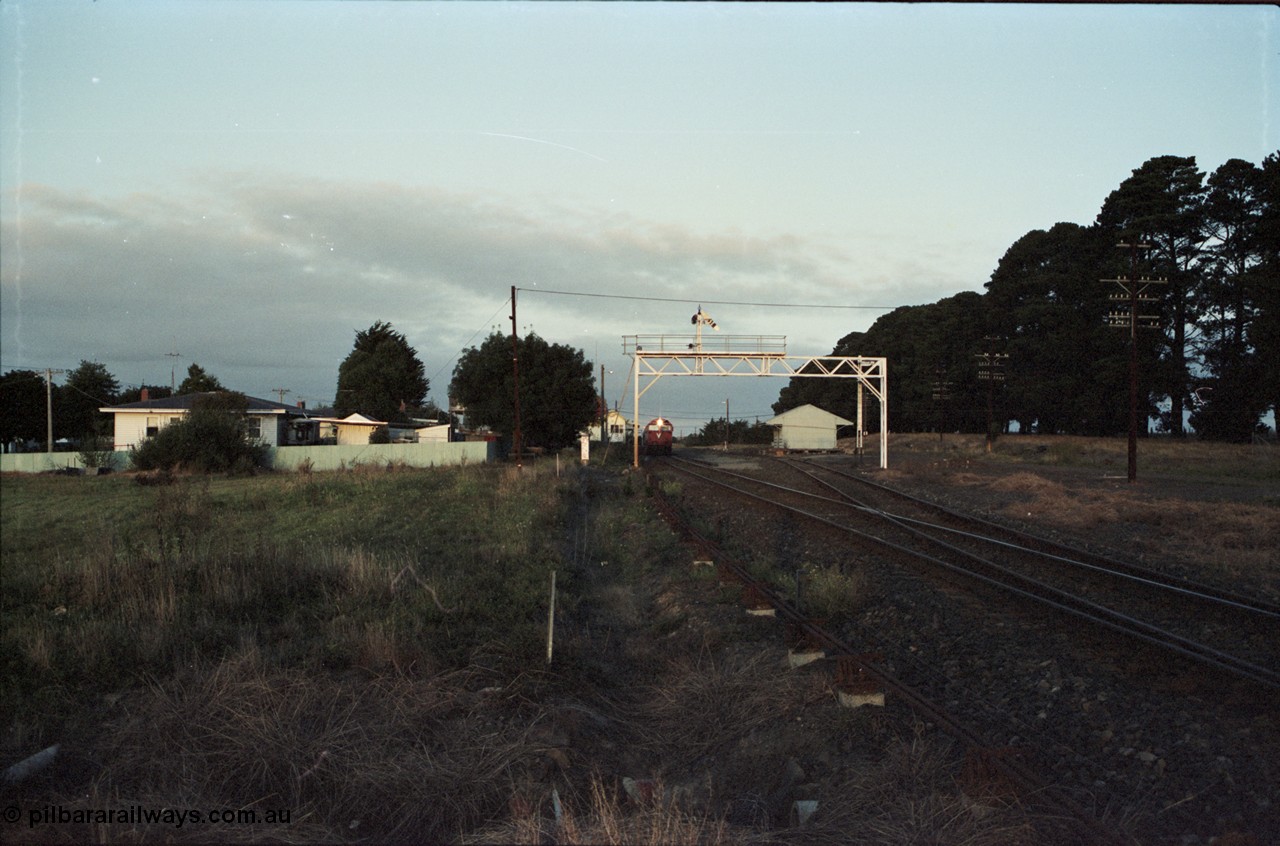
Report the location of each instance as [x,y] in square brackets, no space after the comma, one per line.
[832,595]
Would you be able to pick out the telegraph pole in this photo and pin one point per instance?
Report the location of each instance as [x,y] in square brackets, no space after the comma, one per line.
[281,392]
[1134,293]
[604,410]
[48,404]
[515,370]
[941,396]
[173,372]
[991,370]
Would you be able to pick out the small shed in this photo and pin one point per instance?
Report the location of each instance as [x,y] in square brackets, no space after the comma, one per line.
[353,429]
[618,428]
[806,427]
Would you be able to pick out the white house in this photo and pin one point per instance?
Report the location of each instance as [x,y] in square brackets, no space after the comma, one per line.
[806,427]
[272,423]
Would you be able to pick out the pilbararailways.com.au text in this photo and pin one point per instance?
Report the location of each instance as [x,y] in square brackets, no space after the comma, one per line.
[141,815]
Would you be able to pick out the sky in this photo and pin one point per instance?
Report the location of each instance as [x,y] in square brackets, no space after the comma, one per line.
[245,185]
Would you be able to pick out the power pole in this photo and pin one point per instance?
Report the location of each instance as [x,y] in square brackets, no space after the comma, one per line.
[941,396]
[173,372]
[48,404]
[1134,293]
[281,392]
[604,411]
[991,370]
[515,370]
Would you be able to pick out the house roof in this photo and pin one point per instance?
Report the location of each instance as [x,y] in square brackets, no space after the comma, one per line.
[185,402]
[809,412]
[354,419]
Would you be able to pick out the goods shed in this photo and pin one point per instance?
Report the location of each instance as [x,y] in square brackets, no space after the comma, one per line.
[806,428]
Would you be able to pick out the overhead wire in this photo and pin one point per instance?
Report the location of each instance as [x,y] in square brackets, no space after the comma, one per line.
[704,301]
[467,343]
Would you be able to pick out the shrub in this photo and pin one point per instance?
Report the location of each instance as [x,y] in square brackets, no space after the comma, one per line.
[96,453]
[210,439]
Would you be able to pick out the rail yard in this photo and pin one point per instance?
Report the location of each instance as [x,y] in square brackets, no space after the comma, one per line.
[1086,677]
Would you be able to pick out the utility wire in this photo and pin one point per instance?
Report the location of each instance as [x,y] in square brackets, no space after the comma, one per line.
[704,302]
[488,322]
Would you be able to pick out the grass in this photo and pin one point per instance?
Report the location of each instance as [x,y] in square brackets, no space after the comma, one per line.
[365,649]
[1180,458]
[216,590]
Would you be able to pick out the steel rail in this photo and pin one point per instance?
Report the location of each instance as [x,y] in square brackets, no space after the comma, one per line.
[1028,779]
[1031,589]
[1098,564]
[1082,557]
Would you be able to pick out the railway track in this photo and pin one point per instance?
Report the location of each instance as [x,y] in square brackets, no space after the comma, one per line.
[1194,746]
[1232,635]
[1028,781]
[1068,554]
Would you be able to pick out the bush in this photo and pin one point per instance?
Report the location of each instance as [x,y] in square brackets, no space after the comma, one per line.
[96,453]
[210,439]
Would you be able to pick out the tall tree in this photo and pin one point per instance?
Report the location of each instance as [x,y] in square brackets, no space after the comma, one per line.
[199,381]
[1162,203]
[1067,369]
[557,389]
[1265,333]
[1232,399]
[88,388]
[382,377]
[23,407]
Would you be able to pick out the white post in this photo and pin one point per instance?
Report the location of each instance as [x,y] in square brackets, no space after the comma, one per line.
[857,441]
[635,409]
[884,415]
[551,617]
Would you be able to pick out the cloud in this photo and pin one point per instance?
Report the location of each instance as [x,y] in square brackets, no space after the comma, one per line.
[264,282]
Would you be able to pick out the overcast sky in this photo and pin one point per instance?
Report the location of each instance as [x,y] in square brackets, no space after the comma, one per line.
[247,184]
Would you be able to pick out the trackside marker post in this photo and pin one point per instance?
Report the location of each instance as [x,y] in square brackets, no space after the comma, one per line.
[551,617]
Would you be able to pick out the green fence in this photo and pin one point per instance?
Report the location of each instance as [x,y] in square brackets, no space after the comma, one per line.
[45,462]
[410,455]
[291,458]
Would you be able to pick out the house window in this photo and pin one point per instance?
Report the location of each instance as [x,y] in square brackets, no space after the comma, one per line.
[153,426]
[253,428]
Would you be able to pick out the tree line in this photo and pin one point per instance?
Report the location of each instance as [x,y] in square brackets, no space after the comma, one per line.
[26,402]
[382,377]
[1214,357]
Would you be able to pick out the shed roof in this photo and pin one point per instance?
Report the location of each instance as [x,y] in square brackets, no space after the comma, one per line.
[353,419]
[809,413]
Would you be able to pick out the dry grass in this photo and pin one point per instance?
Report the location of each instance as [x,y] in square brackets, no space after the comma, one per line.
[1237,539]
[1199,506]
[910,795]
[608,816]
[703,704]
[388,759]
